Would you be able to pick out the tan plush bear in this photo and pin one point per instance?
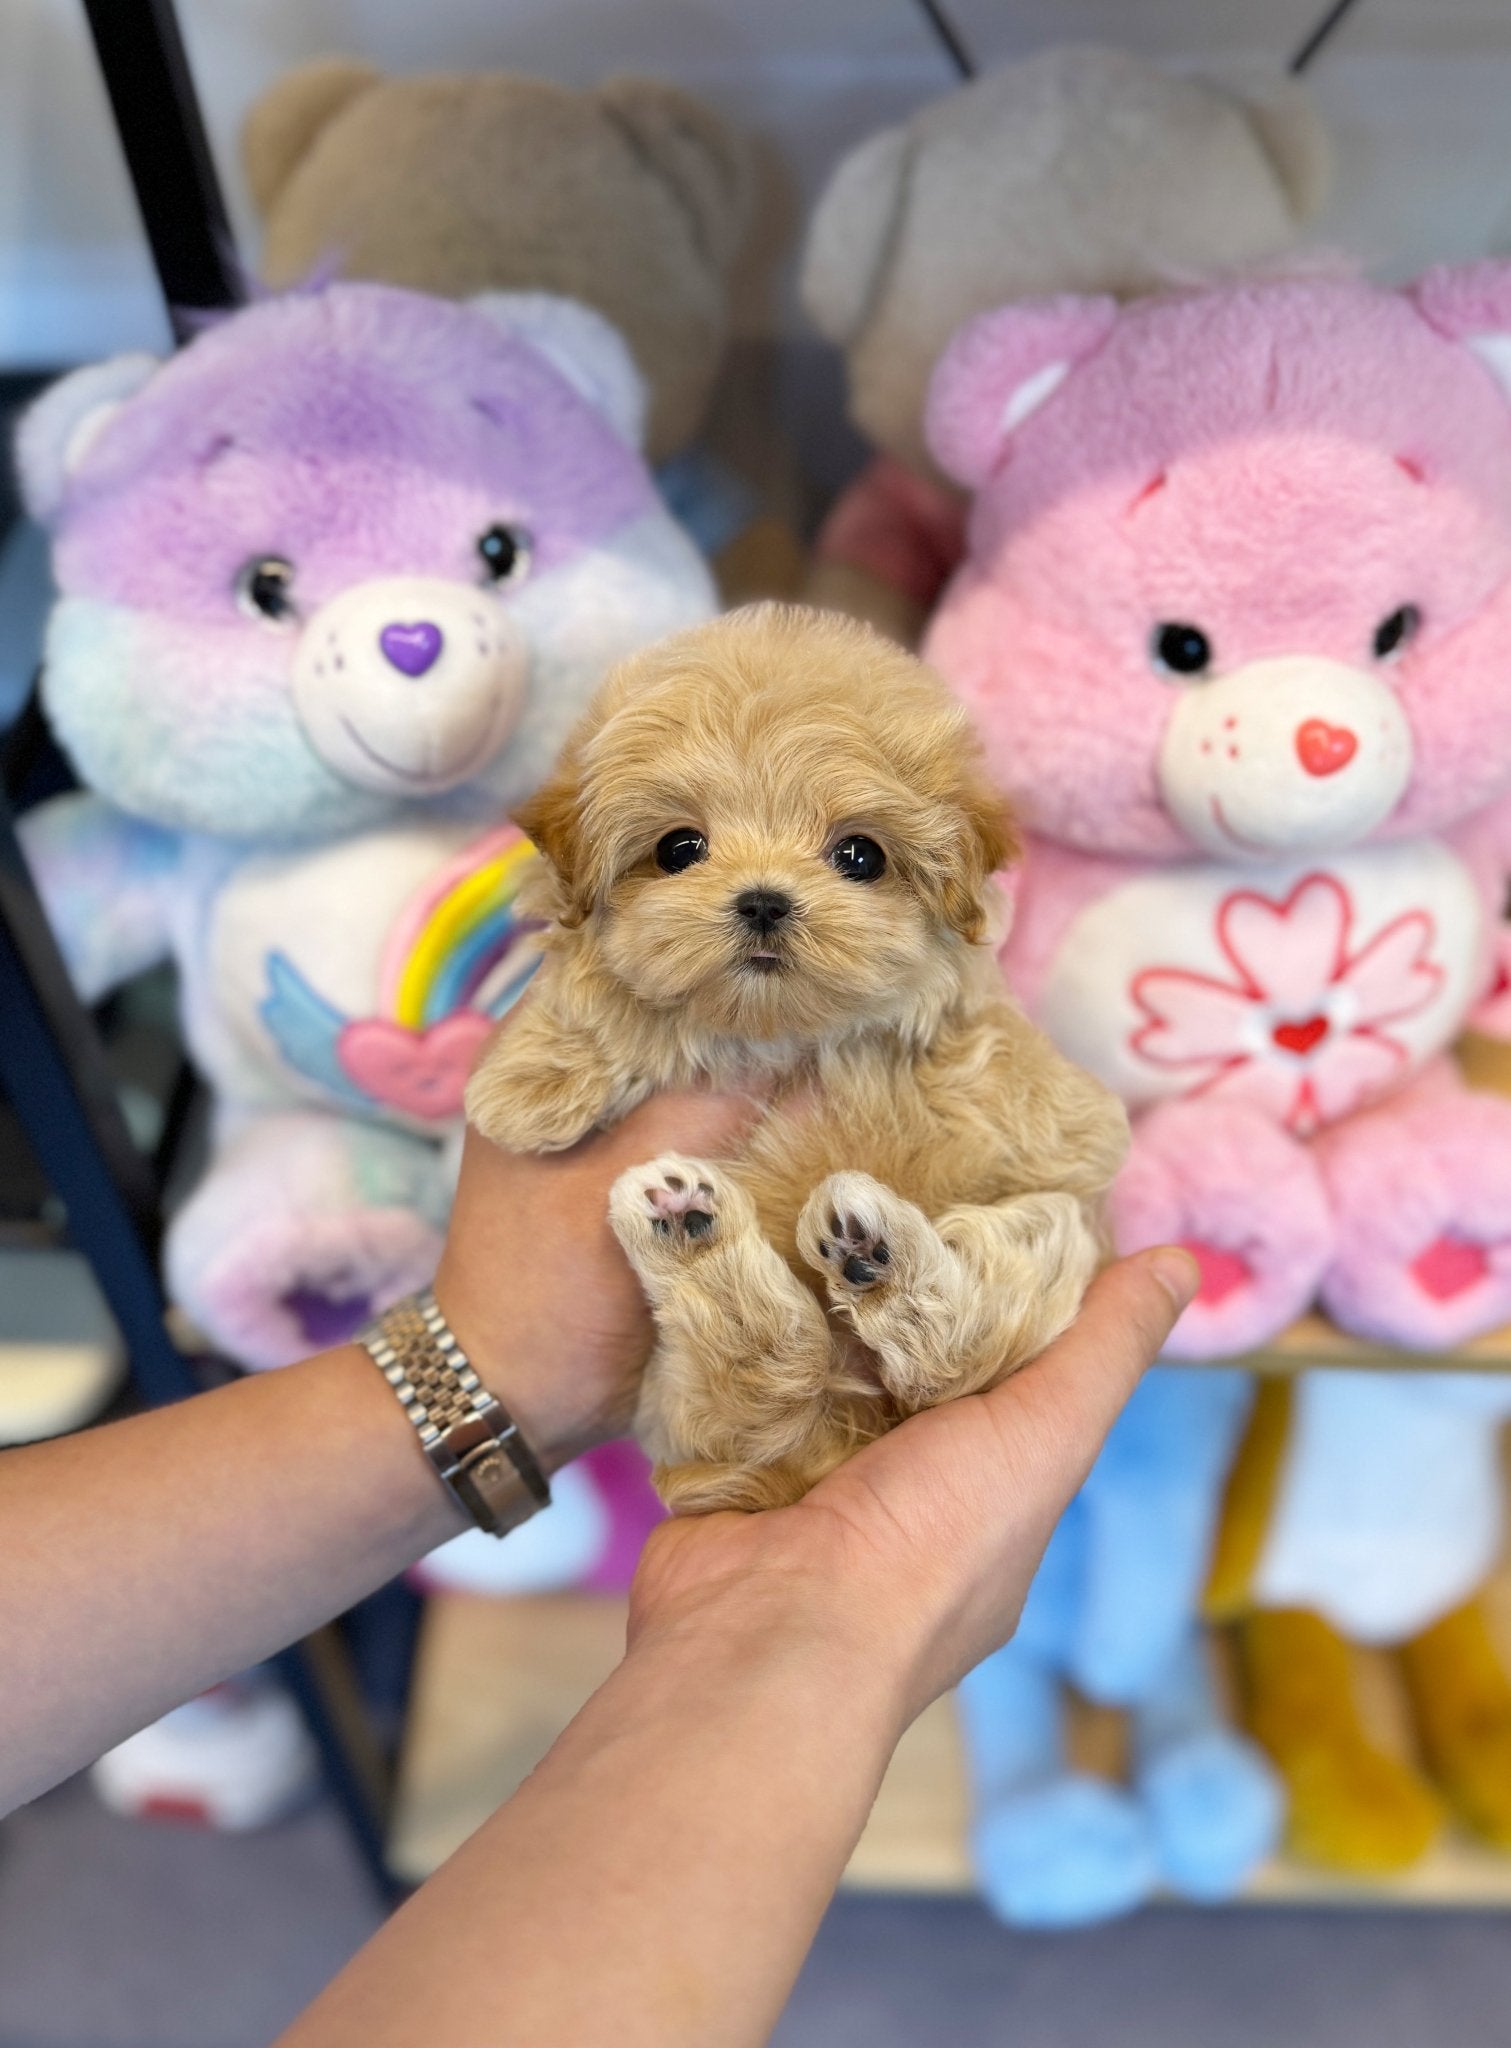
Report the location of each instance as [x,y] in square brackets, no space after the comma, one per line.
[634,198]
[1079,170]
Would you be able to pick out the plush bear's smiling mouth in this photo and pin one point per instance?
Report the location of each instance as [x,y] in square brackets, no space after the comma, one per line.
[462,762]
[409,684]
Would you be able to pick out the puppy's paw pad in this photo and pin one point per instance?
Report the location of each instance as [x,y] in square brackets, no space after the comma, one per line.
[855,1253]
[846,1232]
[673,1203]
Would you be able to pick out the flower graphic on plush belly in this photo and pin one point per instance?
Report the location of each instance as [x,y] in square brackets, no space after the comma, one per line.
[1302,1028]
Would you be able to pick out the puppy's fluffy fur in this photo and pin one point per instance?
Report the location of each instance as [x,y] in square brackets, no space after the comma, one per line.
[915,1216]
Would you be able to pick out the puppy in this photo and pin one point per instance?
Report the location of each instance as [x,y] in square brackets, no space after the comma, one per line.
[767,852]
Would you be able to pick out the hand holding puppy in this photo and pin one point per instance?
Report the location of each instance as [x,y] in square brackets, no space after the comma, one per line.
[767,855]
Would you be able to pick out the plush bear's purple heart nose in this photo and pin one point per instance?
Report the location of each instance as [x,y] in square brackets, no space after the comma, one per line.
[411,648]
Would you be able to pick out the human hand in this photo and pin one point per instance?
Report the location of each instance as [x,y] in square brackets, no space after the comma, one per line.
[534,1284]
[912,1560]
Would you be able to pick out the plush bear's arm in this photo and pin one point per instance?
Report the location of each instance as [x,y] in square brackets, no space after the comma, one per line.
[887,549]
[1492,1017]
[104,880]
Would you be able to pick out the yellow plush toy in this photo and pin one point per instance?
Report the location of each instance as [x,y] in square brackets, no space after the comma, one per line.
[1388,1571]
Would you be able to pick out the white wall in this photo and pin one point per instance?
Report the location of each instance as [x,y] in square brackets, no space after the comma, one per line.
[1418,93]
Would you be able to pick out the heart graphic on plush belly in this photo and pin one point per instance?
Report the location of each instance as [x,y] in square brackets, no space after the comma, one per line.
[1300,1035]
[419,1073]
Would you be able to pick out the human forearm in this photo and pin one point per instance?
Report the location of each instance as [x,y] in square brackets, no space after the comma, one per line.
[659,1878]
[146,1560]
[149,1559]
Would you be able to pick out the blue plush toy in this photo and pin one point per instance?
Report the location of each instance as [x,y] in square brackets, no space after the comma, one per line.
[1110,1613]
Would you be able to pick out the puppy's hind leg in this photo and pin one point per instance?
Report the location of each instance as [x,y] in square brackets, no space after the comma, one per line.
[949,1308]
[737,1406]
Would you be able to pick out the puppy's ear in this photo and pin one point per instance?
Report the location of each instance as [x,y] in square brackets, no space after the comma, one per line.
[552,818]
[987,840]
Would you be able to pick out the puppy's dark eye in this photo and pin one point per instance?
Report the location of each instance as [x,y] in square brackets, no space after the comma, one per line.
[265,588]
[678,850]
[1392,634]
[505,553]
[858,859]
[1180,649]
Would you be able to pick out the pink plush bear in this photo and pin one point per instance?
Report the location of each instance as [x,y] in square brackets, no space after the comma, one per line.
[1236,627]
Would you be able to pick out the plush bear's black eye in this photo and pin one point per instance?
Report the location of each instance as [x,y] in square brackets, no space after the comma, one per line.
[505,553]
[1183,650]
[681,849]
[265,588]
[1392,634]
[858,859]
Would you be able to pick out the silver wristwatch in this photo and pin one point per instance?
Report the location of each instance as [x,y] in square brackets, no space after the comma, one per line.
[468,1435]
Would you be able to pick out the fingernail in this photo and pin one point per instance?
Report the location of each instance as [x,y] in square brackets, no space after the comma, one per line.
[1176,1271]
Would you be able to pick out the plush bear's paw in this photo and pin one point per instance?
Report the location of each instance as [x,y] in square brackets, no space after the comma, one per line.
[1422,1190]
[292,1283]
[1064,1854]
[1246,1199]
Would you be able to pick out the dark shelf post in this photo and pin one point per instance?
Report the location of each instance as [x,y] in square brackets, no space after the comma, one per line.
[157,115]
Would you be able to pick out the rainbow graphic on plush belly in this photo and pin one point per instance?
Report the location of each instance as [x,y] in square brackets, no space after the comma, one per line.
[456,960]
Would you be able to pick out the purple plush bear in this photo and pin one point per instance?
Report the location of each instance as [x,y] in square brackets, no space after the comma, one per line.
[335,581]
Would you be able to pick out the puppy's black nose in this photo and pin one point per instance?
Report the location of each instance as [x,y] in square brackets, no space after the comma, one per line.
[763,909]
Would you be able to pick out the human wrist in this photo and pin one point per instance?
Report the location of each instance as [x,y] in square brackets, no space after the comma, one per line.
[804,1656]
[799,1621]
[551,1406]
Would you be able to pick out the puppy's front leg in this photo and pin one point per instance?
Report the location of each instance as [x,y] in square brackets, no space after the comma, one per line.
[736,1407]
[543,1084]
[948,1309]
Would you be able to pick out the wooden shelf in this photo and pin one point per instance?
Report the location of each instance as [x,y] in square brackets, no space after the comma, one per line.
[498,1680]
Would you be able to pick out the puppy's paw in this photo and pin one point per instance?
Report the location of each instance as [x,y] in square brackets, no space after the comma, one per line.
[529,1110]
[864,1239]
[669,1209]
[708,1489]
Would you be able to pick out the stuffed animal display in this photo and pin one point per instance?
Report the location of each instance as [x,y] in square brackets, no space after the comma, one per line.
[1233,626]
[634,198]
[1080,169]
[335,583]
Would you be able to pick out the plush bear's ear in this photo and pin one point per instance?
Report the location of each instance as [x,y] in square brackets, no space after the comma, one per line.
[581,346]
[707,167]
[277,133]
[1471,303]
[1291,134]
[58,431]
[850,235]
[1000,368]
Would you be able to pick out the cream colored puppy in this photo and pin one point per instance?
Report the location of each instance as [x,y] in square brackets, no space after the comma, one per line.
[767,852]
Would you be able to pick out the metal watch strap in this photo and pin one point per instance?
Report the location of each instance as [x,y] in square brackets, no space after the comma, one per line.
[467,1434]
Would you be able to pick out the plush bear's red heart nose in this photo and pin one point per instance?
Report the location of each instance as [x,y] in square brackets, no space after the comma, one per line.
[1324,748]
